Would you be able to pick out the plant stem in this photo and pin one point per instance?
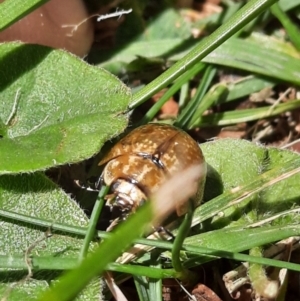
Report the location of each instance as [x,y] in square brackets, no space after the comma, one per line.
[184,274]
[91,230]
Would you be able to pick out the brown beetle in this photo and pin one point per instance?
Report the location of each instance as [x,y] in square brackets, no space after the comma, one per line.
[142,161]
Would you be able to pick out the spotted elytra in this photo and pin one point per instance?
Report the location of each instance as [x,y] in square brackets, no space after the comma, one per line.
[143,160]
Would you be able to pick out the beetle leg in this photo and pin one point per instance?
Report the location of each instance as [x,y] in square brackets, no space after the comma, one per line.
[112,224]
[110,200]
[164,232]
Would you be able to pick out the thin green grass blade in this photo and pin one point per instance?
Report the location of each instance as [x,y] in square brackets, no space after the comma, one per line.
[214,96]
[107,252]
[236,22]
[141,284]
[91,230]
[259,54]
[233,117]
[171,91]
[238,240]
[190,109]
[291,29]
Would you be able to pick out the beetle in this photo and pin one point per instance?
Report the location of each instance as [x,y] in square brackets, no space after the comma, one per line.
[143,160]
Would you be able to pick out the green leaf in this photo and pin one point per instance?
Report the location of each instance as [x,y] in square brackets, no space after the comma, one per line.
[234,164]
[252,54]
[55,109]
[237,240]
[245,115]
[36,196]
[287,4]
[246,86]
[168,24]
[255,56]
[13,10]
[108,251]
[128,53]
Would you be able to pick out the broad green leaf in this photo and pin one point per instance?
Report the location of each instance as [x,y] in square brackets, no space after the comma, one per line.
[168,24]
[108,251]
[55,109]
[270,42]
[236,163]
[232,163]
[36,196]
[13,10]
[281,197]
[287,4]
[247,86]
[128,53]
